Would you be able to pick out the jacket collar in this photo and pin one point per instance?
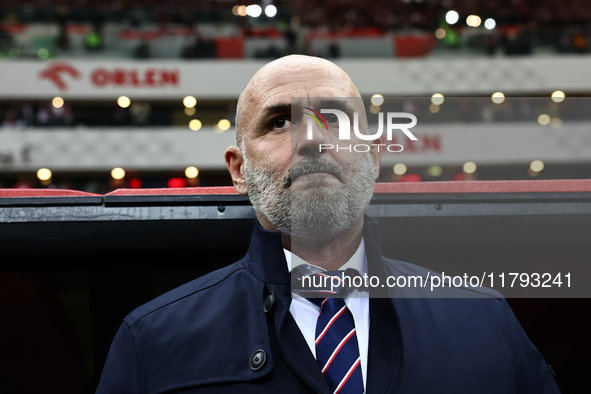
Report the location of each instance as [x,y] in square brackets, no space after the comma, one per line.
[373,250]
[265,258]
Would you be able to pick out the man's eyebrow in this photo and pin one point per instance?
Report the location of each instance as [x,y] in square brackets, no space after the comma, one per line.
[278,108]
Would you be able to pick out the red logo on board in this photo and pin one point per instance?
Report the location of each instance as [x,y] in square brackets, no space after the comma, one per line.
[55,74]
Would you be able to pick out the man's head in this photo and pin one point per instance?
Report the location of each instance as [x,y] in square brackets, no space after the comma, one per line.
[294,187]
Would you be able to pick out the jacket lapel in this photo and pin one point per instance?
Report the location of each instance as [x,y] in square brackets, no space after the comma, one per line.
[295,350]
[385,335]
[385,347]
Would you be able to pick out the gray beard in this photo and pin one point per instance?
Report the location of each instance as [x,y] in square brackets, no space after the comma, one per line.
[318,213]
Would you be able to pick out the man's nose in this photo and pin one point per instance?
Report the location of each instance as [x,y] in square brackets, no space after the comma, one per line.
[306,143]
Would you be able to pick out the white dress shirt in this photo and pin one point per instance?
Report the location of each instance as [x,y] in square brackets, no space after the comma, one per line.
[305,313]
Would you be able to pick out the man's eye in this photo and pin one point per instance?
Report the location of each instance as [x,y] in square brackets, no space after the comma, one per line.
[280,123]
[331,118]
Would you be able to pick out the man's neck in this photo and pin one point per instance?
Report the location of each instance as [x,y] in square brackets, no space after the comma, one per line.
[329,254]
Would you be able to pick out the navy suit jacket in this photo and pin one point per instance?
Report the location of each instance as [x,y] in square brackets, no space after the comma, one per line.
[200,337]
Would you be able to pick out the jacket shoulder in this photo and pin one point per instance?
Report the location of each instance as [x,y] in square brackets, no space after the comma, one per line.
[206,330]
[190,289]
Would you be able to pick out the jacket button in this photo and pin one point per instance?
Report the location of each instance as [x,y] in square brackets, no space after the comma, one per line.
[257,360]
[269,303]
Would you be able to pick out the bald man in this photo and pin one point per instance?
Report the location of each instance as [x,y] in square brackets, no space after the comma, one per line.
[246,329]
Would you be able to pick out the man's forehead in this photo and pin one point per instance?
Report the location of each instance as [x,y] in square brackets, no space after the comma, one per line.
[280,81]
[295,64]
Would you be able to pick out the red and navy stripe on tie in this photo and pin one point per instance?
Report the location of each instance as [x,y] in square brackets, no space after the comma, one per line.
[337,349]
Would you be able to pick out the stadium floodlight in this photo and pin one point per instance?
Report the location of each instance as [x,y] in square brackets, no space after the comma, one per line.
[469,167]
[118,173]
[435,171]
[437,99]
[377,99]
[195,124]
[558,96]
[224,124]
[44,174]
[544,119]
[473,20]
[43,53]
[189,102]
[490,23]
[498,97]
[254,10]
[191,172]
[536,165]
[452,17]
[399,169]
[270,11]
[124,101]
[57,102]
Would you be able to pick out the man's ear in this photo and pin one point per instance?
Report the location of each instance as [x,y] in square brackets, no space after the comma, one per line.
[234,162]
[376,152]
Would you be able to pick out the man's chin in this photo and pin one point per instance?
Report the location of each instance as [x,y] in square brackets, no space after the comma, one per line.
[325,195]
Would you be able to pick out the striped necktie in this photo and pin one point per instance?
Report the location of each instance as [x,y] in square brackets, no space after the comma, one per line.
[337,350]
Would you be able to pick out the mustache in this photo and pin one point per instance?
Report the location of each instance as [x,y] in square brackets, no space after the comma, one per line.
[312,165]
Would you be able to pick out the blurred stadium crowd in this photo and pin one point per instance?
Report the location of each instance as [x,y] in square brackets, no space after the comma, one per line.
[332,14]
[205,28]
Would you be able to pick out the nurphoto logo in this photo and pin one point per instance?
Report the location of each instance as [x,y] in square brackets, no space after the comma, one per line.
[344,123]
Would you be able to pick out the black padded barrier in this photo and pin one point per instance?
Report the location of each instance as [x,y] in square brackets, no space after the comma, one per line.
[73,267]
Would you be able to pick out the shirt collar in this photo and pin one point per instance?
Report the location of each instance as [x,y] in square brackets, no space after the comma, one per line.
[358,261]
